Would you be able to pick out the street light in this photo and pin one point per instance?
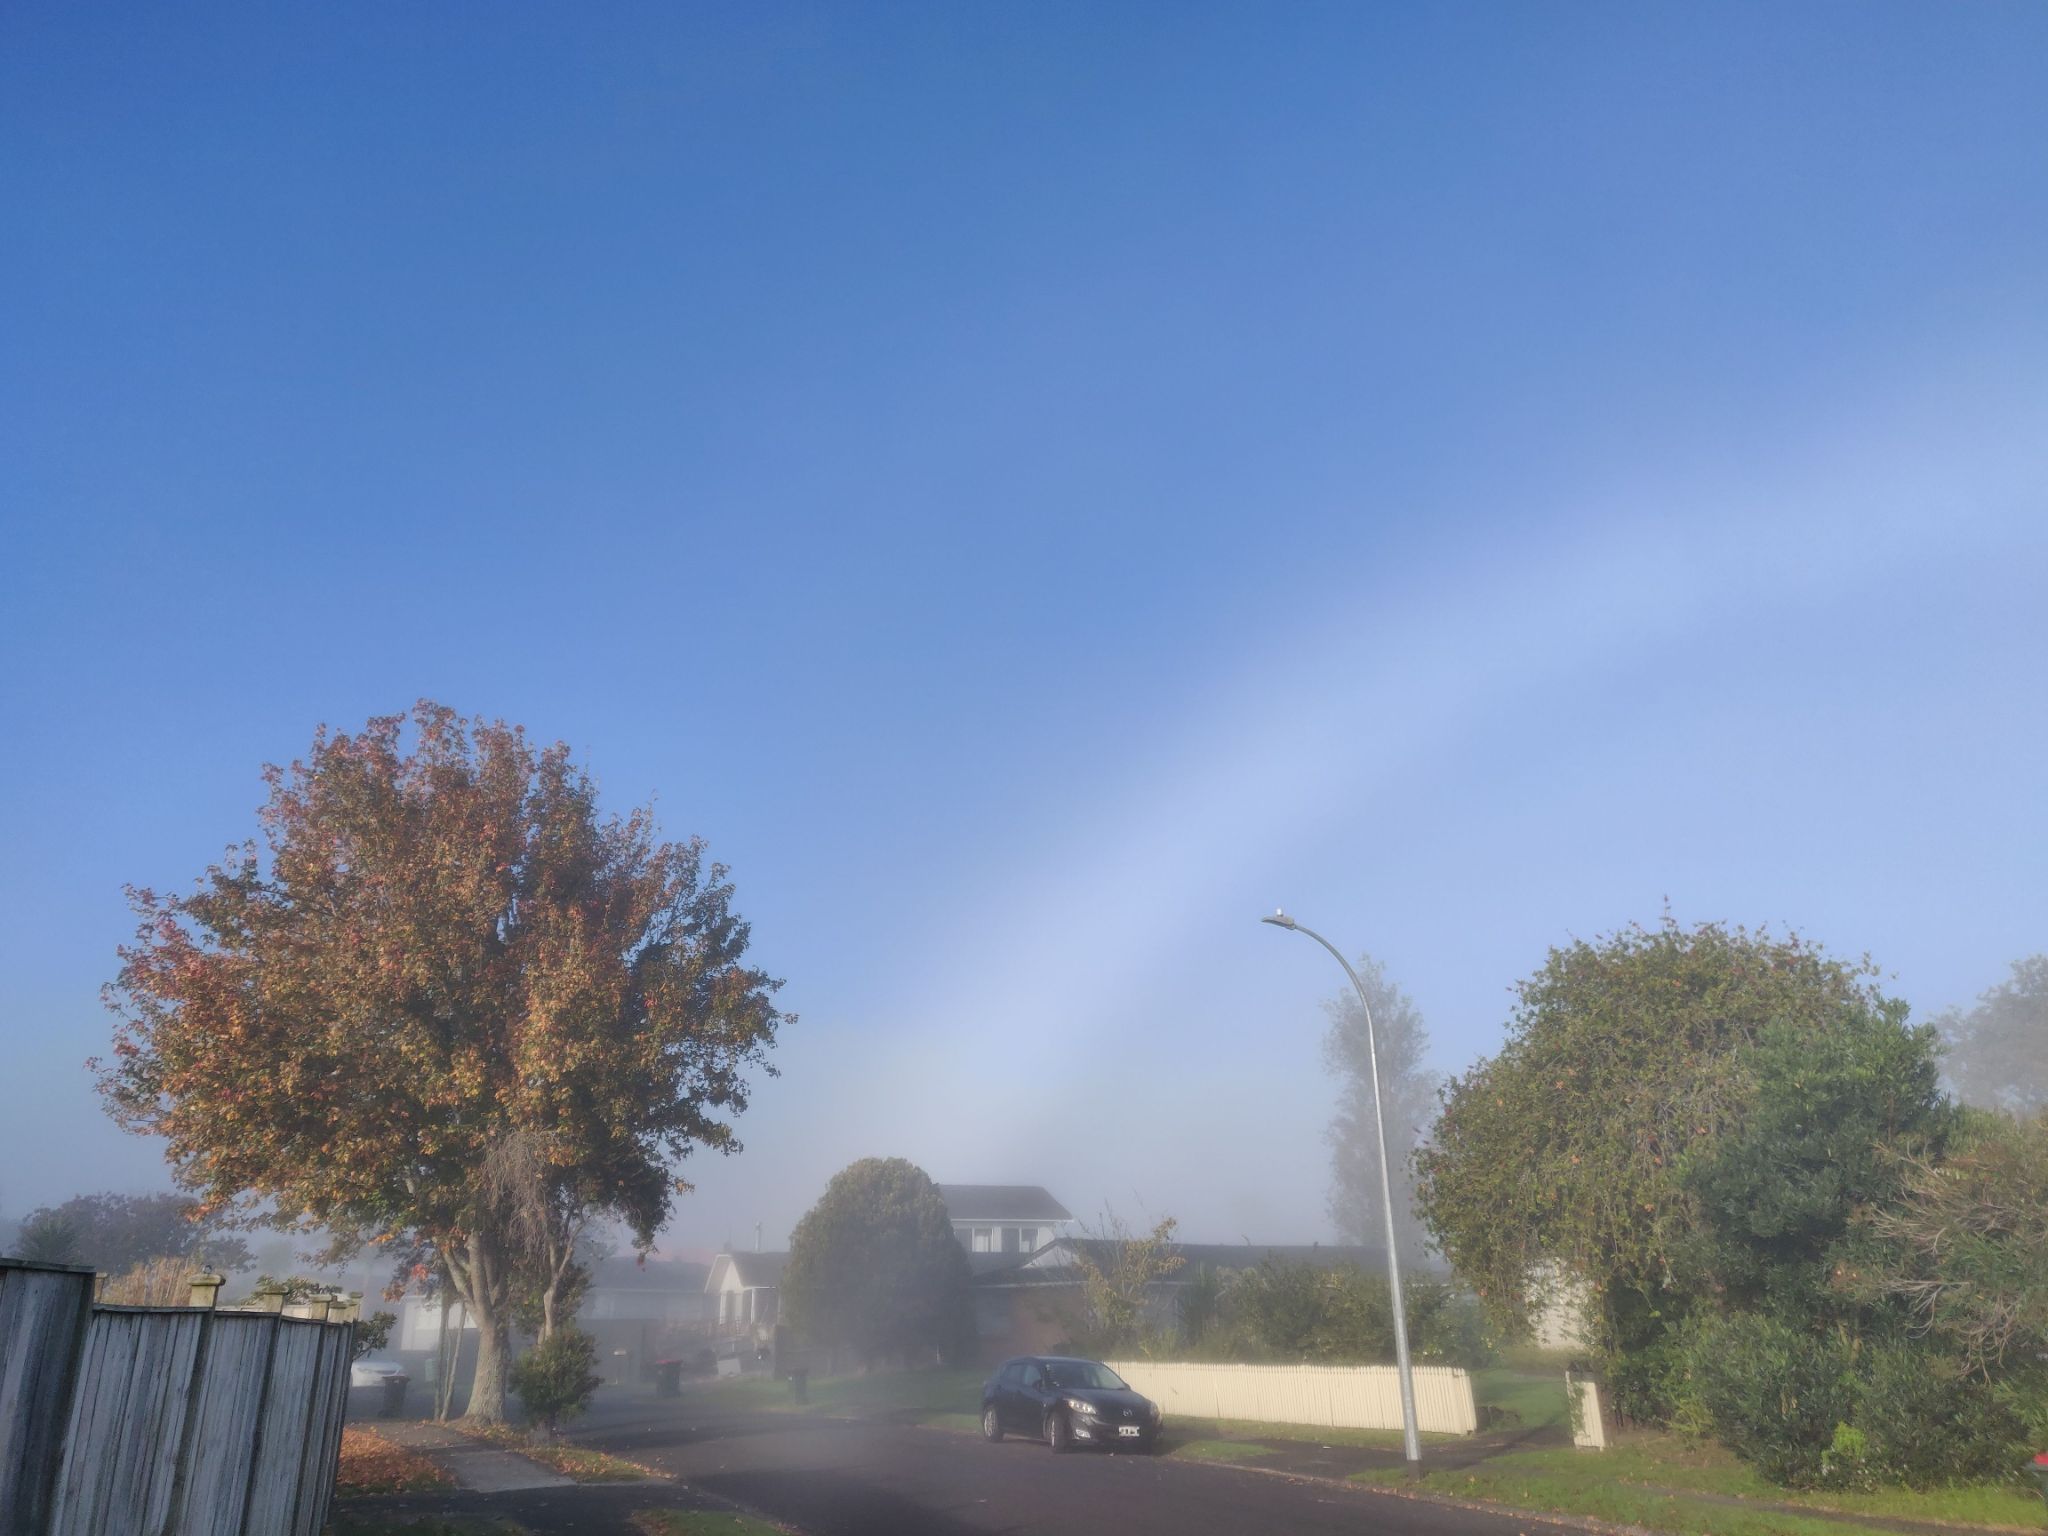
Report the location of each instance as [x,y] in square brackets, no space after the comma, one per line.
[1411,1441]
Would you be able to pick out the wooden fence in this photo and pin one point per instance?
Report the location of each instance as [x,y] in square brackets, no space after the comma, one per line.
[1350,1396]
[162,1421]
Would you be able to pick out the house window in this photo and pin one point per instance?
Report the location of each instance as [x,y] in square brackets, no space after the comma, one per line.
[1027,1238]
[981,1243]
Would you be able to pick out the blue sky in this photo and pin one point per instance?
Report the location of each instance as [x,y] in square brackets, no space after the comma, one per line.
[1037,487]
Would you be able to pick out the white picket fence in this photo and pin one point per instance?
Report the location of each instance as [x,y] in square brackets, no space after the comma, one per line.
[1342,1396]
[162,1421]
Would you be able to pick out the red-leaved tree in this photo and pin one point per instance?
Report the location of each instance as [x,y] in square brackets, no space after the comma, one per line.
[443,1005]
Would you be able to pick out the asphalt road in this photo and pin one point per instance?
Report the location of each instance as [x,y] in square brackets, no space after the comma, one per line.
[849,1477]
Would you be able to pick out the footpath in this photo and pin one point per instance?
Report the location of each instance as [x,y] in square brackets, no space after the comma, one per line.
[494,1484]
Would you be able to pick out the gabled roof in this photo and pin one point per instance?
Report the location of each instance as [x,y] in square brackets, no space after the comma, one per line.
[622,1272]
[752,1269]
[1001,1202]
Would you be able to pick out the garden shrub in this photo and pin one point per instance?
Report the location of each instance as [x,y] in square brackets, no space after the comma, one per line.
[1773,1393]
[1924,1421]
[555,1378]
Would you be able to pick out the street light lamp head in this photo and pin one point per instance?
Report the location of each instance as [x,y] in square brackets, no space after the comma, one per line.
[1279,920]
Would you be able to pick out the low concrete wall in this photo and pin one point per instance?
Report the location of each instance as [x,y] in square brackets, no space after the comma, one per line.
[1343,1396]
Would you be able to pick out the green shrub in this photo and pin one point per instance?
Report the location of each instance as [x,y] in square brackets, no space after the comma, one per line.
[1925,1422]
[1342,1315]
[1455,1332]
[554,1379]
[1772,1393]
[1820,1410]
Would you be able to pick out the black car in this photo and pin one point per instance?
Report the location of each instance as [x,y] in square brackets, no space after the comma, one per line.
[1067,1403]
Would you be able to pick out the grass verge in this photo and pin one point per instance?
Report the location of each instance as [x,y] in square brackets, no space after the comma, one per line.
[1646,1479]
[1525,1397]
[1216,1450]
[699,1522]
[371,1464]
[576,1462]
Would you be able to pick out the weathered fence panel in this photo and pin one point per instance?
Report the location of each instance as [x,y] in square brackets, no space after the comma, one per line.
[134,1386]
[327,1403]
[162,1421]
[43,1314]
[1350,1397]
[228,1404]
[281,1438]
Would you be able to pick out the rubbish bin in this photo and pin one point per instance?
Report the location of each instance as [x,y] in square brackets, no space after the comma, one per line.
[2041,1475]
[394,1396]
[668,1378]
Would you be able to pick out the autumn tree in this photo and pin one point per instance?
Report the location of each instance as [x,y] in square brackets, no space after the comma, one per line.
[436,951]
[1408,1091]
[874,1265]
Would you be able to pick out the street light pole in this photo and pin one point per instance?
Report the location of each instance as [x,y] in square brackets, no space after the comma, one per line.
[1411,1441]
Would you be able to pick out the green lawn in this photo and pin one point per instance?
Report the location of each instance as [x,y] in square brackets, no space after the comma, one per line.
[1626,1482]
[1534,1398]
[1217,1450]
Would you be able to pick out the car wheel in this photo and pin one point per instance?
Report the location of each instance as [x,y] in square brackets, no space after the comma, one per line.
[991,1424]
[1057,1435]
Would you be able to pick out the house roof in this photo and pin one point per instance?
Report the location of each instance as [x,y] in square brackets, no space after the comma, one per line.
[752,1269]
[1001,1202]
[622,1272]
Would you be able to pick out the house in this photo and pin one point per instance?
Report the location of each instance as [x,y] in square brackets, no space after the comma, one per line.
[744,1297]
[643,1311]
[998,1224]
[1004,1218]
[638,1311]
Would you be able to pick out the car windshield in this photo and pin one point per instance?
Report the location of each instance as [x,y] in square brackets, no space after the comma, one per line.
[1083,1374]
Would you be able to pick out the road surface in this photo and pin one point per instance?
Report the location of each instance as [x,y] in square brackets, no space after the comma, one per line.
[866,1477]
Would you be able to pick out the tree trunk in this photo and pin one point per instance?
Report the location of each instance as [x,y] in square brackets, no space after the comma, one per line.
[482,1280]
[487,1393]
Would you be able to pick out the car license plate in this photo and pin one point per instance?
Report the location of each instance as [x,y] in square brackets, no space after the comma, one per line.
[1129,1431]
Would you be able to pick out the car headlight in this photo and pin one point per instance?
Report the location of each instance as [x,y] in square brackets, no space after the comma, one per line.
[1081,1405]
[1155,1411]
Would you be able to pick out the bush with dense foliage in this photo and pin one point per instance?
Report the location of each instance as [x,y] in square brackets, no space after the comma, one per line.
[1796,1243]
[1341,1315]
[1820,1408]
[1627,1059]
[556,1377]
[874,1266]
